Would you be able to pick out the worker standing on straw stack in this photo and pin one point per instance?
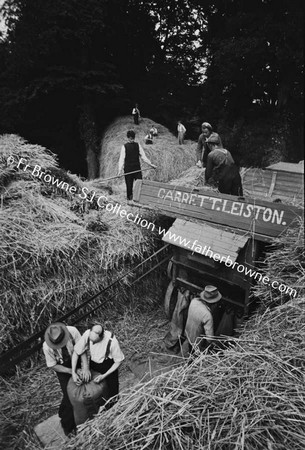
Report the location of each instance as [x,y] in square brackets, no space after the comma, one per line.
[200,324]
[181,132]
[105,357]
[130,162]
[58,349]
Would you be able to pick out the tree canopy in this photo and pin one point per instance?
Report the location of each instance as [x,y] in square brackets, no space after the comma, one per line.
[69,67]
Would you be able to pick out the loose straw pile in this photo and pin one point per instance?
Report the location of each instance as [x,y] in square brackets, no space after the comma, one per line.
[284,263]
[52,256]
[170,158]
[251,396]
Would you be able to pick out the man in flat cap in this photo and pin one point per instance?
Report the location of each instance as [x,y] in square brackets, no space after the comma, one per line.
[58,347]
[203,317]
[202,149]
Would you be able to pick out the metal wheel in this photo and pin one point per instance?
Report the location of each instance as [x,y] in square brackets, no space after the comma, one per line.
[170,300]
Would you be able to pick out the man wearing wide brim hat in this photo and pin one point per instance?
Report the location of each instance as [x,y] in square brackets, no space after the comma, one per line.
[58,349]
[203,149]
[199,324]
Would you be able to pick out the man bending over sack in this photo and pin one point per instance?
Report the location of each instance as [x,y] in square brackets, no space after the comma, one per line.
[105,357]
[58,348]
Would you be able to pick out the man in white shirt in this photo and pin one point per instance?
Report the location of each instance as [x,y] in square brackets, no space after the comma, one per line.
[181,132]
[200,319]
[105,357]
[58,349]
[130,162]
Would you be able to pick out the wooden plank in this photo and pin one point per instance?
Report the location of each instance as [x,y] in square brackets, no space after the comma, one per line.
[287,167]
[190,229]
[253,215]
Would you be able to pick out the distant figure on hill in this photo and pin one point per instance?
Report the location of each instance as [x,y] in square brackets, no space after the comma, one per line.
[136,114]
[130,162]
[203,150]
[181,132]
[154,131]
[221,170]
[149,139]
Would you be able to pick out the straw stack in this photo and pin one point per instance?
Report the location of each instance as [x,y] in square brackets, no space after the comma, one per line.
[170,158]
[52,255]
[248,397]
[284,263]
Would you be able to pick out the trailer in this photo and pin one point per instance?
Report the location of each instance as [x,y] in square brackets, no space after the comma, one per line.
[217,238]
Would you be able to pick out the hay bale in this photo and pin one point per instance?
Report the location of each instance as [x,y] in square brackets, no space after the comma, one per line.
[250,396]
[170,157]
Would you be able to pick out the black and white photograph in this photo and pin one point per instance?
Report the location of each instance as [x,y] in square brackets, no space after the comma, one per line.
[152,258]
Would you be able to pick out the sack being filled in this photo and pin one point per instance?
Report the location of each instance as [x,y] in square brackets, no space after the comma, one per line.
[87,398]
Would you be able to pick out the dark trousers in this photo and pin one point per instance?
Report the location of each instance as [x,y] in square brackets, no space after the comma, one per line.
[112,379]
[65,409]
[136,119]
[129,179]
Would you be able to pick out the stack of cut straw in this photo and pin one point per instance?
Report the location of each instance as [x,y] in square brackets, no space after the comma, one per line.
[170,158]
[49,258]
[284,263]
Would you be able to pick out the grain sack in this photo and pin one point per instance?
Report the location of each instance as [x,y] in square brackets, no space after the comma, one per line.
[87,398]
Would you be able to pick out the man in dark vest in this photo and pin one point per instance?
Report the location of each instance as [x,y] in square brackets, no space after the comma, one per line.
[130,162]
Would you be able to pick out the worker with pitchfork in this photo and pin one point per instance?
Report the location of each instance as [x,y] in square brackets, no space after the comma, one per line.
[130,162]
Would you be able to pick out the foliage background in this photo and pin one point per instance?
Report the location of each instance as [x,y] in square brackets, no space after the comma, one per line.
[69,67]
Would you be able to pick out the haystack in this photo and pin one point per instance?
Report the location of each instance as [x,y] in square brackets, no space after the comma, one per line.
[284,263]
[52,255]
[170,158]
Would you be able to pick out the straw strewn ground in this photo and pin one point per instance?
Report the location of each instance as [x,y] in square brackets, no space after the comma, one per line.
[171,159]
[249,397]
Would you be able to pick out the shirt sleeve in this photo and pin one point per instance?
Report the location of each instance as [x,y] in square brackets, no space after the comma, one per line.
[122,158]
[209,169]
[115,351]
[82,344]
[49,355]
[143,156]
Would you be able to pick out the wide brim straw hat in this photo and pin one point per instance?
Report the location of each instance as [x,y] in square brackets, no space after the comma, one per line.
[210,294]
[56,335]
